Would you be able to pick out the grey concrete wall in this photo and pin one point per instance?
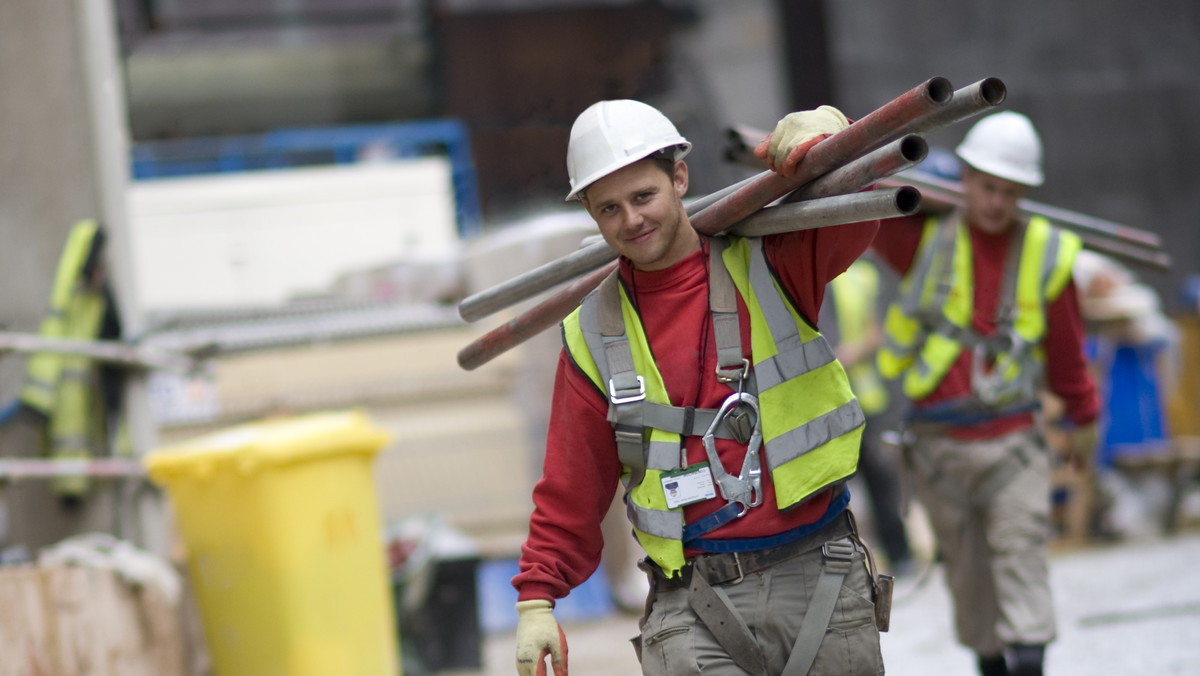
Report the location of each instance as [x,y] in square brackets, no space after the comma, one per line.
[46,164]
[1111,85]
[47,183]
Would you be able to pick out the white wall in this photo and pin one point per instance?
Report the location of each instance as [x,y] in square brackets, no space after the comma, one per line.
[258,238]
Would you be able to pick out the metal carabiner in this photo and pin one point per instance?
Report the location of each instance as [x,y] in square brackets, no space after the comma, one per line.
[745,489]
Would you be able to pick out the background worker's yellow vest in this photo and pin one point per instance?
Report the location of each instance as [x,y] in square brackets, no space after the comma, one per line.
[855,295]
[928,325]
[811,422]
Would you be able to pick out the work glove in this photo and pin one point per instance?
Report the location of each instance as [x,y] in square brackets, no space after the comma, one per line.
[795,134]
[538,635]
[1083,443]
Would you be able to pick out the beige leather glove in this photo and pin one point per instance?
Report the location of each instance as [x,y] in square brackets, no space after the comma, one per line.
[1084,440]
[538,635]
[795,134]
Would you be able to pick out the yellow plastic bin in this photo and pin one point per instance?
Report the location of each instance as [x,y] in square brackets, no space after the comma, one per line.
[284,551]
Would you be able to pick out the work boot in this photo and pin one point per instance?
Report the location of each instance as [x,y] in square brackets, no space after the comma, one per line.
[993,666]
[1027,659]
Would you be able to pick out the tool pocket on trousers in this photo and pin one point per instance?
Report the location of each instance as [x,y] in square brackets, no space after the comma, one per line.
[669,652]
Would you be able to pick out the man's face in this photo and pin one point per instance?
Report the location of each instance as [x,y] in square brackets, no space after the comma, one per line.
[991,200]
[640,212]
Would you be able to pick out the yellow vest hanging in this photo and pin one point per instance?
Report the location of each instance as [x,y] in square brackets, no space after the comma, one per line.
[930,324]
[62,387]
[811,422]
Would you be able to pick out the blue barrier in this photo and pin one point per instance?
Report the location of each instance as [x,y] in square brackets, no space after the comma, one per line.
[309,146]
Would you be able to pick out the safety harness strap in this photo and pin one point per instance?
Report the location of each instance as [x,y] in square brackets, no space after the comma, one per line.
[714,608]
[727,333]
[626,389]
[838,558]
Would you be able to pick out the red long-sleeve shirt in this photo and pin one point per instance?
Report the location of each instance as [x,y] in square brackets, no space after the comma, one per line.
[581,470]
[1067,374]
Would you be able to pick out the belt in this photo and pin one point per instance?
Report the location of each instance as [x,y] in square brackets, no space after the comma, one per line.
[731,567]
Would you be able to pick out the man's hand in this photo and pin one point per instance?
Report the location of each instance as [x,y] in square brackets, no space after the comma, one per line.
[795,134]
[1082,451]
[538,635]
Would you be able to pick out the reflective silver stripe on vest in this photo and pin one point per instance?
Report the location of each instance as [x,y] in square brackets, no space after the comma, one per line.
[663,455]
[655,522]
[815,433]
[1050,259]
[795,356]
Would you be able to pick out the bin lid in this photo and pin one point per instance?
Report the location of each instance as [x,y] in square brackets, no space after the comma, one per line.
[268,443]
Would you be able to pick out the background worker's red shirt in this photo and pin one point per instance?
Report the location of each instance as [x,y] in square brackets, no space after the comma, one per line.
[581,469]
[1067,373]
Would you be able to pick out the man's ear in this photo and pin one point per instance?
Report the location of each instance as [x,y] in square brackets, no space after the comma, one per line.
[680,178]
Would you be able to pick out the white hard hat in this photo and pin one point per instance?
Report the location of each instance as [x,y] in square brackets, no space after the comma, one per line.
[1005,145]
[610,135]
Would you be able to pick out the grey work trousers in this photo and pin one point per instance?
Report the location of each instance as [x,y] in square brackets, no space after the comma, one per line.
[992,537]
[772,602]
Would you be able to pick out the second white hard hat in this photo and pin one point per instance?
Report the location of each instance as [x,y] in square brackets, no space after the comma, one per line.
[610,135]
[1005,145]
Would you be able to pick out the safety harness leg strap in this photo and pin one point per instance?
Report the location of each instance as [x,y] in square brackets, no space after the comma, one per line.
[838,558]
[713,607]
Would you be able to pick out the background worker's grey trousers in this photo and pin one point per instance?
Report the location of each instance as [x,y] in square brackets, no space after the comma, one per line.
[772,602]
[993,542]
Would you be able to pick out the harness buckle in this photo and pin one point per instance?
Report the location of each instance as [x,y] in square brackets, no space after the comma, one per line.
[839,554]
[741,574]
[619,399]
[740,378]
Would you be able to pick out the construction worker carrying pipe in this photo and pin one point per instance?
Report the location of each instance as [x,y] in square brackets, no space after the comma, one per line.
[694,376]
[987,315]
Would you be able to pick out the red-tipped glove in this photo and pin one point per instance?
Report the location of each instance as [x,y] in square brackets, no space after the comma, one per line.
[795,134]
[538,635]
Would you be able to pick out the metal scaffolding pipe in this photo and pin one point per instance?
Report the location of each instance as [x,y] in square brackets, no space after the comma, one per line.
[944,200]
[966,102]
[1073,219]
[869,133]
[816,213]
[901,154]
[833,210]
[532,322]
[587,258]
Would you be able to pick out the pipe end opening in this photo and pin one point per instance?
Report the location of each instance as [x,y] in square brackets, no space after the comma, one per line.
[913,148]
[940,90]
[908,200]
[993,90]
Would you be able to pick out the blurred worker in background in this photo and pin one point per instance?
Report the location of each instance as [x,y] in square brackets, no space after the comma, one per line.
[71,398]
[694,376]
[1133,350]
[850,321]
[987,313]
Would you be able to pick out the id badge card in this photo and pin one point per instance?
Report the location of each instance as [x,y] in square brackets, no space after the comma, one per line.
[685,486]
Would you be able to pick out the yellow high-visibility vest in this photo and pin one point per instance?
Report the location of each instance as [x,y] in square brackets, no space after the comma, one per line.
[929,325]
[855,295]
[811,423]
[63,387]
